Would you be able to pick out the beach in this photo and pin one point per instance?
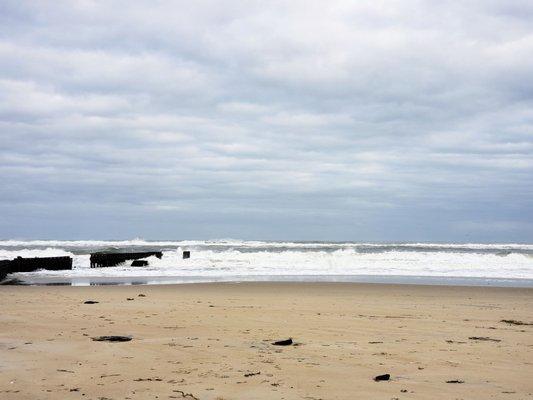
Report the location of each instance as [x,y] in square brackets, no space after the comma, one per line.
[214,341]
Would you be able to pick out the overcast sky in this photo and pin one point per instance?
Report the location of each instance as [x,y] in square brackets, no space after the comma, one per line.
[327,120]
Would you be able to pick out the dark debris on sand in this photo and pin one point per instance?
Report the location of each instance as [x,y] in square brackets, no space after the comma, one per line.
[384,377]
[484,339]
[112,338]
[515,322]
[286,342]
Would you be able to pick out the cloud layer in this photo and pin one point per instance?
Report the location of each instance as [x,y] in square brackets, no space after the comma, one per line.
[408,120]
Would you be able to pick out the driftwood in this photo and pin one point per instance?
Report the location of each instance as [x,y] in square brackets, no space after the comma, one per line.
[112,338]
[484,339]
[515,322]
[286,342]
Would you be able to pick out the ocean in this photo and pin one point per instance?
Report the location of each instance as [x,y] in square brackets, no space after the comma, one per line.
[237,260]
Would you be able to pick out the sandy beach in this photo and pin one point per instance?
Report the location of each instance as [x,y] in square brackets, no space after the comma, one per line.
[213,341]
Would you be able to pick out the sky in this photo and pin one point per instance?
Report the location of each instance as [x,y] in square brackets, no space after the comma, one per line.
[279,120]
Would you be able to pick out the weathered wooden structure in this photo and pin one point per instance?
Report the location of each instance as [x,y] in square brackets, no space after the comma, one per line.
[20,264]
[4,269]
[139,263]
[101,260]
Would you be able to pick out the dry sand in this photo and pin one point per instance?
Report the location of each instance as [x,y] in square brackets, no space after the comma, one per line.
[213,341]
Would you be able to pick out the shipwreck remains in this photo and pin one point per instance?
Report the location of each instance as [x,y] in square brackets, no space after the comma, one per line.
[20,264]
[101,260]
[139,263]
[4,266]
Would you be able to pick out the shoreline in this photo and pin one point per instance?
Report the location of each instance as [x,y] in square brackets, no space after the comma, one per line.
[44,280]
[214,341]
[240,260]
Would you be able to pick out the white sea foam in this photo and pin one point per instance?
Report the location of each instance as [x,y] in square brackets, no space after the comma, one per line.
[238,258]
[37,252]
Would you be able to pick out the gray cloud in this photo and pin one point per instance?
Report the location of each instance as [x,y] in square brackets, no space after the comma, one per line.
[293,120]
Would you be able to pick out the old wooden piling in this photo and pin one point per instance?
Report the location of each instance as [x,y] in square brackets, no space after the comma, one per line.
[20,264]
[4,269]
[101,260]
[139,263]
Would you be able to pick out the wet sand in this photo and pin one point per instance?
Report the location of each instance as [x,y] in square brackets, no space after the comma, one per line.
[213,341]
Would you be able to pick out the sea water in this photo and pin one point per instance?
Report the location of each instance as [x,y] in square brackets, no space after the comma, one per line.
[237,260]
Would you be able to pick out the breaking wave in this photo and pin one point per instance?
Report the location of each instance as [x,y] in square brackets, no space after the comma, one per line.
[220,258]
